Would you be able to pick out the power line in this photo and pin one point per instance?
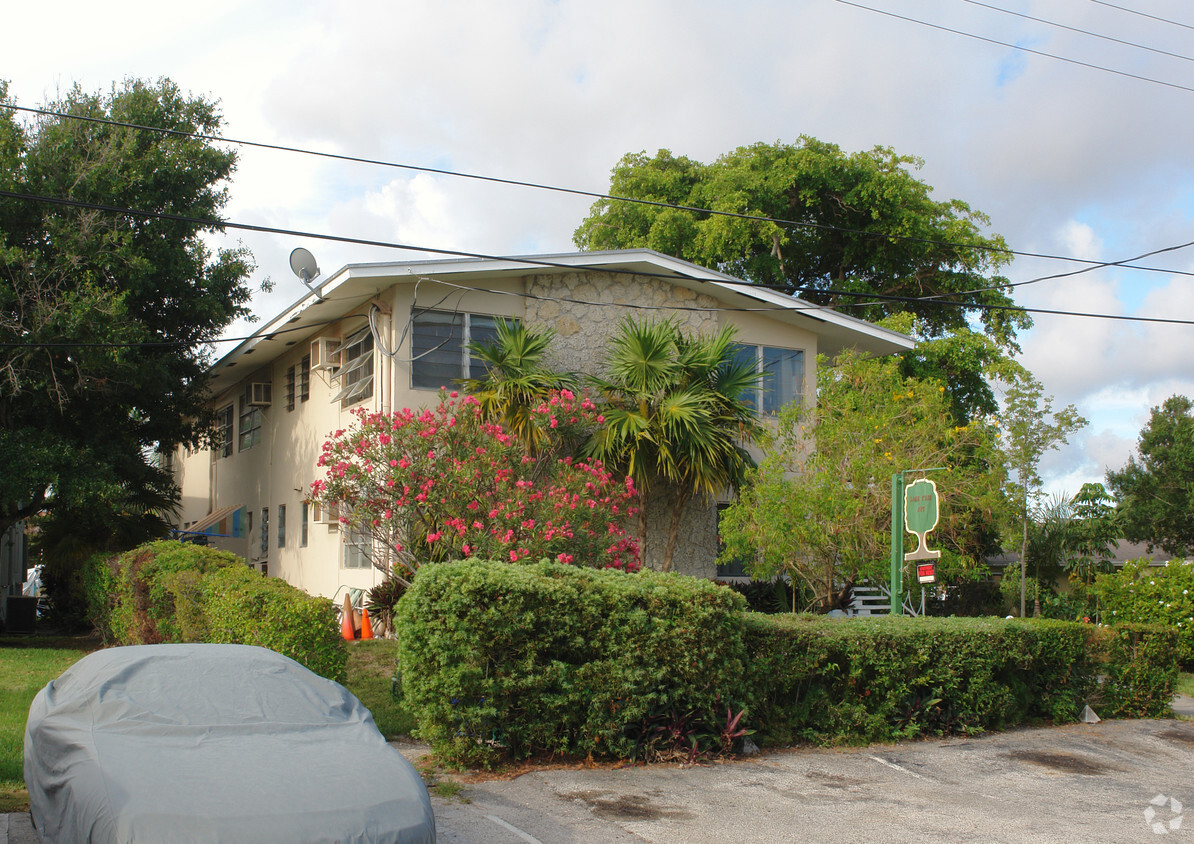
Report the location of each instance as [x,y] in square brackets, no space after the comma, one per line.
[1079,31]
[577,192]
[1142,14]
[218,224]
[1016,46]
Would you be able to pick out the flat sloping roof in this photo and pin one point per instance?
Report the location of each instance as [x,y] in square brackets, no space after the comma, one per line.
[354,284]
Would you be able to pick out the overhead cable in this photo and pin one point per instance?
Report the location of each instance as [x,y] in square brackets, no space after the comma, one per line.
[575,191]
[1019,47]
[1079,31]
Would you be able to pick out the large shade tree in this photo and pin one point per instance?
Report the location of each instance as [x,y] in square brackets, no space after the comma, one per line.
[1156,488]
[676,416]
[841,229]
[106,314]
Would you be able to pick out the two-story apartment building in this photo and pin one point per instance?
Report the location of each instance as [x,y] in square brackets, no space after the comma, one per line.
[389,335]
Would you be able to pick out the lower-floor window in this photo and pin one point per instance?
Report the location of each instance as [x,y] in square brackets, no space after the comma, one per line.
[358,547]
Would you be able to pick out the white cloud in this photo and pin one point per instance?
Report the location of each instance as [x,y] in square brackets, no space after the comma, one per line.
[1064,159]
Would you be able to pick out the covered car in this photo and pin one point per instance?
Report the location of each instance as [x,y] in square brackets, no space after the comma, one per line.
[216,743]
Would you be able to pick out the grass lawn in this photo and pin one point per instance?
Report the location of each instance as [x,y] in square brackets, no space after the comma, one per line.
[371,667]
[1185,684]
[27,663]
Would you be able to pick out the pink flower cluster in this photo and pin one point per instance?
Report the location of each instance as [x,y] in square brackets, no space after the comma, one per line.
[443,483]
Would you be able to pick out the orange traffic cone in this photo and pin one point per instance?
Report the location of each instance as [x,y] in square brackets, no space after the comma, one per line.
[366,627]
[346,620]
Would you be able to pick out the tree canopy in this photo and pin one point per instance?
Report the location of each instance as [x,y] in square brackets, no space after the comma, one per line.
[1031,428]
[1156,488]
[675,415]
[853,223]
[105,315]
[819,507]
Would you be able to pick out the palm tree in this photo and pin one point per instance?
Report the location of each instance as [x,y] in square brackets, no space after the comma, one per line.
[676,415]
[516,380]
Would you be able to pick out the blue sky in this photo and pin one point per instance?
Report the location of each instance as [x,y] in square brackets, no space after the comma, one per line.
[1064,159]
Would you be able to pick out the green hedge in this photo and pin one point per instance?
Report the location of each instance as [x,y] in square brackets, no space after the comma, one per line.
[175,592]
[833,680]
[517,660]
[546,658]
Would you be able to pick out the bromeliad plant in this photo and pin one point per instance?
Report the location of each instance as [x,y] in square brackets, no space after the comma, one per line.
[444,484]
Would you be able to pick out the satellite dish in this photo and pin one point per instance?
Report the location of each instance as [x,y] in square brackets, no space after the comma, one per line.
[302,263]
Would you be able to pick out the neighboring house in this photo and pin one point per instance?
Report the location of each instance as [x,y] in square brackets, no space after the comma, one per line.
[14,560]
[389,335]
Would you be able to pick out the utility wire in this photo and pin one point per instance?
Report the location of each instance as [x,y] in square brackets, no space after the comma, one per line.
[1142,14]
[1079,31]
[1055,276]
[574,191]
[1017,46]
[218,224]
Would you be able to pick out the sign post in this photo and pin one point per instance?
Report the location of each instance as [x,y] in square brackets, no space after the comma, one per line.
[914,509]
[897,543]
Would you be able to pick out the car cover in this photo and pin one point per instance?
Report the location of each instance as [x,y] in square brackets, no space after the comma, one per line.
[216,743]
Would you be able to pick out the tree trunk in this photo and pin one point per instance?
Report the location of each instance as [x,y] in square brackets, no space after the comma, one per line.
[673,531]
[642,526]
[1023,561]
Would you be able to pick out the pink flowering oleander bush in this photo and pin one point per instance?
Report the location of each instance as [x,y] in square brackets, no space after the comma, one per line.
[443,483]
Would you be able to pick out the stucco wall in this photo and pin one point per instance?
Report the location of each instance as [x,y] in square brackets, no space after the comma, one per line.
[576,305]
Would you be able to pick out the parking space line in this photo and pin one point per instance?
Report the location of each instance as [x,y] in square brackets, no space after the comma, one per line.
[530,839]
[897,767]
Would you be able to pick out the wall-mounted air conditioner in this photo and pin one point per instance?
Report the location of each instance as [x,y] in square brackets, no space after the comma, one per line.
[261,393]
[325,515]
[324,354]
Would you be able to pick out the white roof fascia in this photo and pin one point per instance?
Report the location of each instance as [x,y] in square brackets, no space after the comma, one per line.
[651,260]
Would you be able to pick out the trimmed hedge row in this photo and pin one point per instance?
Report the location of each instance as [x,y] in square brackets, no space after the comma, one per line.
[500,660]
[827,680]
[175,592]
[546,658]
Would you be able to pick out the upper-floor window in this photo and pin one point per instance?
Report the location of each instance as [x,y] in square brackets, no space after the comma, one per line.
[783,377]
[223,441]
[439,347]
[304,378]
[298,382]
[250,420]
[290,383]
[356,368]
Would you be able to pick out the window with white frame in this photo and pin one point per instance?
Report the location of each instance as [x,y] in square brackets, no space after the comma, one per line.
[783,377]
[440,347]
[356,368]
[223,439]
[250,420]
[358,547]
[281,525]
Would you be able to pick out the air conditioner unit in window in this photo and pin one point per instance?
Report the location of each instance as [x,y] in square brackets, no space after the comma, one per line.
[325,515]
[261,393]
[325,353]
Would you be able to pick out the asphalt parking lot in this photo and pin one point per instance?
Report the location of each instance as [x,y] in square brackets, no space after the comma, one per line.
[1115,781]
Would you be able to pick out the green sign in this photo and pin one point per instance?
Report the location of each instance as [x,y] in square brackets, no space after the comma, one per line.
[920,515]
